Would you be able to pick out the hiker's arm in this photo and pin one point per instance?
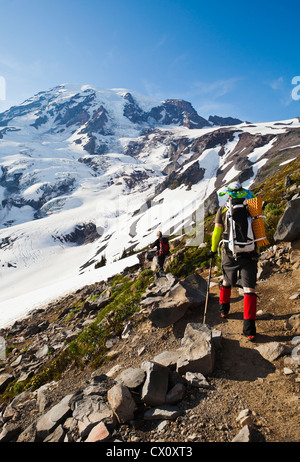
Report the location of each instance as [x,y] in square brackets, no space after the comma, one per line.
[216,237]
[155,244]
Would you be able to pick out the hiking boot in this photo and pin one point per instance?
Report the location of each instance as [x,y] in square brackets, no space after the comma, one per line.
[251,338]
[249,329]
[224,309]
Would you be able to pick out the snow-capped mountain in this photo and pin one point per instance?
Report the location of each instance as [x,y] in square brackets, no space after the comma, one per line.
[87,173]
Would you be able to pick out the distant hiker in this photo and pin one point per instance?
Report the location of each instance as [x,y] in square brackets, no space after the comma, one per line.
[162,246]
[239,255]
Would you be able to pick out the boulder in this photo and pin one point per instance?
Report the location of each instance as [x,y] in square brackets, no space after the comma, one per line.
[90,410]
[168,358]
[132,377]
[121,402]
[271,351]
[57,436]
[156,384]
[53,418]
[99,433]
[176,394]
[185,294]
[198,354]
[288,228]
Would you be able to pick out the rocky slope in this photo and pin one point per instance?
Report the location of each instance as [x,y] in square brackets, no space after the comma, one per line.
[153,372]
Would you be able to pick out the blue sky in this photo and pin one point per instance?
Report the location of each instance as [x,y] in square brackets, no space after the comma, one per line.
[227,58]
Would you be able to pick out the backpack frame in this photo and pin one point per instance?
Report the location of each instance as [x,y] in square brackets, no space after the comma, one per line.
[241,238]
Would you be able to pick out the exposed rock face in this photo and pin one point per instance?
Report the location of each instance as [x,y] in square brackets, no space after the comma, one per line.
[216,120]
[184,295]
[288,228]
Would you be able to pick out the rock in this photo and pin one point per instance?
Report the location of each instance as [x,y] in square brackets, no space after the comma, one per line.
[103,300]
[28,435]
[168,359]
[152,301]
[245,418]
[294,296]
[121,402]
[156,384]
[57,436]
[198,354]
[31,330]
[216,338]
[10,413]
[293,322]
[126,331]
[264,269]
[196,379]
[113,370]
[17,361]
[56,415]
[184,295]
[10,432]
[288,228]
[161,426]
[244,435]
[112,342]
[132,377]
[271,351]
[99,433]
[163,284]
[176,394]
[5,379]
[42,400]
[295,254]
[43,351]
[90,410]
[162,413]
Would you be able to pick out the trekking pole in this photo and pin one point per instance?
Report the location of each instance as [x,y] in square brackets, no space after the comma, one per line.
[207,291]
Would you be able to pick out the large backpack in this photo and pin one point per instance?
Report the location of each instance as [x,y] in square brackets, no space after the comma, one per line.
[164,246]
[239,227]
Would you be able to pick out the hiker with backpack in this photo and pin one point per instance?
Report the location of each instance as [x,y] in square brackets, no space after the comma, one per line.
[162,246]
[239,254]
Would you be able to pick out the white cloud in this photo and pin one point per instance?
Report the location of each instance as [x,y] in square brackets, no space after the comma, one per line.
[277,84]
[282,89]
[216,88]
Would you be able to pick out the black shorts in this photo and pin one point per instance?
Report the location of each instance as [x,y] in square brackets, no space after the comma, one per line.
[240,272]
